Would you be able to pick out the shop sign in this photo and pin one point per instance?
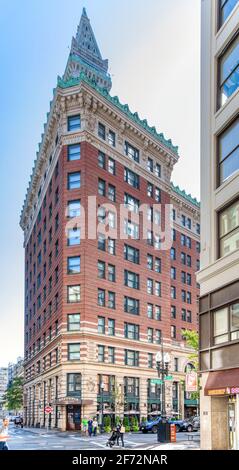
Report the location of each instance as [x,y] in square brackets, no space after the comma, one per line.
[224,391]
[191,382]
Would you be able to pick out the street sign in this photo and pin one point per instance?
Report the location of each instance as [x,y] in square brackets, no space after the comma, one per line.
[48,410]
[156,381]
[169,377]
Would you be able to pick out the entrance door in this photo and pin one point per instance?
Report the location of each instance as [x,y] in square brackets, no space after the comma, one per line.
[232,425]
[73,413]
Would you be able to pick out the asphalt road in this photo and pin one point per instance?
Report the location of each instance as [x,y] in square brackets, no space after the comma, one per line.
[23,439]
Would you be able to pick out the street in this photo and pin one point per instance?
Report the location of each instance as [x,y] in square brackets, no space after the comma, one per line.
[35,439]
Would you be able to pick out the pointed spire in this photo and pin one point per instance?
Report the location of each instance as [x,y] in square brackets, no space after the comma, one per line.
[85,56]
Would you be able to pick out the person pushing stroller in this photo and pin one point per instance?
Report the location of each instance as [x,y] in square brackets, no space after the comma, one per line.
[113,438]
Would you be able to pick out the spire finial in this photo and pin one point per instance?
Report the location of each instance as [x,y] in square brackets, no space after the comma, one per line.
[84,12]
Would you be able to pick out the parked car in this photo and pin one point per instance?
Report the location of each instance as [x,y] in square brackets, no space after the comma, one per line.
[152,425]
[192,424]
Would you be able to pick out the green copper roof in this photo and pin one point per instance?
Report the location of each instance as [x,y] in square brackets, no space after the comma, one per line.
[186,196]
[122,107]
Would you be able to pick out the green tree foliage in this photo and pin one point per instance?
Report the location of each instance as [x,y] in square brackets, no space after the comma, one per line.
[192,340]
[14,395]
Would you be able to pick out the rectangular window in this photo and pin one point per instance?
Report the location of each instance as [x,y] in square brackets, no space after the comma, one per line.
[189,316]
[101,187]
[73,322]
[101,242]
[111,327]
[73,123]
[74,385]
[73,152]
[228,152]
[173,332]
[111,355]
[111,246]
[131,331]
[131,254]
[111,138]
[74,180]
[111,166]
[234,321]
[150,311]
[150,189]
[150,286]
[73,208]
[173,273]
[150,262]
[228,72]
[101,353]
[101,269]
[157,312]
[176,364]
[73,237]
[157,195]
[101,297]
[131,203]
[73,265]
[150,335]
[131,305]
[150,165]
[131,178]
[173,292]
[131,229]
[158,170]
[173,311]
[158,289]
[73,294]
[101,325]
[112,193]
[101,160]
[158,336]
[111,300]
[111,273]
[74,352]
[150,360]
[131,358]
[101,131]
[184,315]
[229,229]
[220,326]
[173,254]
[225,9]
[132,152]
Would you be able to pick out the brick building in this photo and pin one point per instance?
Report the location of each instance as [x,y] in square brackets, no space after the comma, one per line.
[98,306]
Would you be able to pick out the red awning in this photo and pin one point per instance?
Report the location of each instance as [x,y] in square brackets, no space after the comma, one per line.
[222,382]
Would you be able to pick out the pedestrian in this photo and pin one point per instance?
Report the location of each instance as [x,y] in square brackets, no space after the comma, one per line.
[84,425]
[120,430]
[90,427]
[95,426]
[4,435]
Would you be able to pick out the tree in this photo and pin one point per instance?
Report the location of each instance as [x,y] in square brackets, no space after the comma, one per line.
[192,340]
[14,395]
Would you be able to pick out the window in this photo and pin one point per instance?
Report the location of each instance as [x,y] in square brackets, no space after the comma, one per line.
[157,312]
[150,165]
[189,316]
[150,360]
[101,160]
[173,273]
[74,180]
[111,166]
[101,187]
[131,279]
[73,294]
[73,351]
[73,208]
[173,332]
[73,152]
[131,305]
[157,195]
[111,246]
[183,277]
[183,258]
[150,189]
[158,336]
[74,123]
[229,229]
[189,261]
[73,265]
[131,254]
[131,178]
[101,131]
[73,237]
[225,9]
[131,203]
[150,335]
[111,300]
[101,214]
[228,151]
[74,385]
[183,220]
[157,265]
[131,331]
[173,311]
[175,364]
[150,286]
[150,262]
[189,298]
[131,229]
[220,326]
[184,315]
[112,219]
[150,310]
[198,247]
[111,138]
[183,295]
[234,321]
[111,355]
[188,242]
[158,170]
[101,297]
[111,193]
[131,358]
[183,239]
[158,289]
[73,322]
[173,292]
[111,327]
[101,269]
[189,279]
[111,273]
[101,242]
[101,353]
[132,152]
[198,229]
[173,254]
[101,325]
[228,72]
[189,223]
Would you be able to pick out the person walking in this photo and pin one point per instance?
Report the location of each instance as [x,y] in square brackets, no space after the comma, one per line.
[90,427]
[120,430]
[95,426]
[84,425]
[4,435]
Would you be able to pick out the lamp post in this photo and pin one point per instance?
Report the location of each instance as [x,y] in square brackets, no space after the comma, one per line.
[102,386]
[162,361]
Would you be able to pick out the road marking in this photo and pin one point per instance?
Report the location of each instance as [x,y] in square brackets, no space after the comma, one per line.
[98,444]
[58,447]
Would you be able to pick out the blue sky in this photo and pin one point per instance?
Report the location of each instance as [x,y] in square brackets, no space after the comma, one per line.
[153,49]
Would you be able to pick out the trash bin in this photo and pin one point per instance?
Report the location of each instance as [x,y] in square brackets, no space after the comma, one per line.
[163,431]
[173,437]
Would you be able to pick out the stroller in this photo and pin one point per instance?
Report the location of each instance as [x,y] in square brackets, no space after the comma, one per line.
[112,439]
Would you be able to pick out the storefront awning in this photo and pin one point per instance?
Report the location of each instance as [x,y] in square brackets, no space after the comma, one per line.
[222,382]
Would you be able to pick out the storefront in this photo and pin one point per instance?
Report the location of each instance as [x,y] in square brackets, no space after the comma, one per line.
[223,389]
[72,410]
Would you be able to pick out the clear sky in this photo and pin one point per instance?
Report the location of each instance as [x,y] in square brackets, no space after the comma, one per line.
[153,49]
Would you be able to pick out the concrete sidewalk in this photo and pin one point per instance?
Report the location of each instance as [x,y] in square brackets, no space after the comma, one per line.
[182,445]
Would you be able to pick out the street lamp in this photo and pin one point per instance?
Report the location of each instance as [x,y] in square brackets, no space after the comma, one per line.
[102,387]
[162,361]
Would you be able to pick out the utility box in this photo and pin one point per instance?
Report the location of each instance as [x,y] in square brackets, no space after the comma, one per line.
[163,431]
